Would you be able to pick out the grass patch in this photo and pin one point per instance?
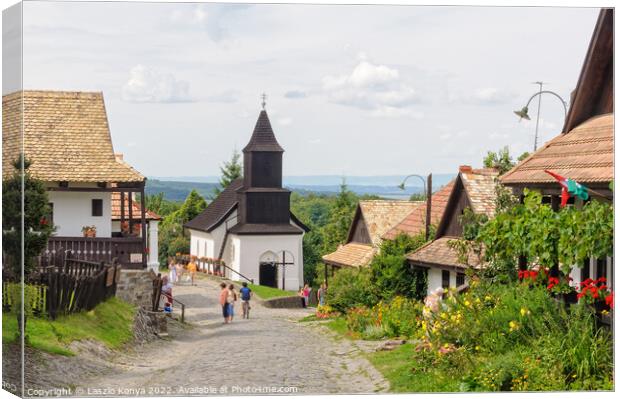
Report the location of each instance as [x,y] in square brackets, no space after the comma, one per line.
[311,317]
[339,326]
[110,323]
[400,368]
[265,292]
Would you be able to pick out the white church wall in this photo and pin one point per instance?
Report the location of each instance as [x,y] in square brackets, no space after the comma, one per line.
[251,247]
[73,210]
[201,244]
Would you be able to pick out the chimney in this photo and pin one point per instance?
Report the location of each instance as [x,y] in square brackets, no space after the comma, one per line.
[465,169]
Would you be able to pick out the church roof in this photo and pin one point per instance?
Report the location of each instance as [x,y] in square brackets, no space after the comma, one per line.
[263,138]
[218,209]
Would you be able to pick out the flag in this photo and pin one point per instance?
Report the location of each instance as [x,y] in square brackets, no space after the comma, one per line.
[569,188]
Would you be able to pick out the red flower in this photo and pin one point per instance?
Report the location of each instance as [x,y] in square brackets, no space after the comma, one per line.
[43,221]
[609,300]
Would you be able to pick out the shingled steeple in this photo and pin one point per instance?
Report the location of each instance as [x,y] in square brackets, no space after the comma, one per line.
[262,157]
[263,138]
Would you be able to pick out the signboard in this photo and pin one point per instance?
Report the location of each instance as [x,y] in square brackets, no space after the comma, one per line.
[135,258]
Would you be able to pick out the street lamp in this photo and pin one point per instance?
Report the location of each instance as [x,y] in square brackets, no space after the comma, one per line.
[523,112]
[429,198]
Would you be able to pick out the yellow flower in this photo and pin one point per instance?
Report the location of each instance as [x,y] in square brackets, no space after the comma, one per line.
[513,325]
[524,312]
[467,303]
[477,347]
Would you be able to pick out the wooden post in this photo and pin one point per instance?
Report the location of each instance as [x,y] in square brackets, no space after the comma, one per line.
[143,221]
[283,270]
[122,209]
[326,274]
[130,204]
[429,200]
[555,268]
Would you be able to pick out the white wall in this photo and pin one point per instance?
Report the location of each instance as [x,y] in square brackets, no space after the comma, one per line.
[250,248]
[434,279]
[575,273]
[198,241]
[73,210]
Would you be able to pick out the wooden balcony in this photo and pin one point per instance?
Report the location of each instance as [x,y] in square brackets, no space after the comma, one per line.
[130,252]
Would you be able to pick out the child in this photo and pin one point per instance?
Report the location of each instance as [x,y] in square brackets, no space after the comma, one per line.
[231,299]
[191,268]
[168,308]
[173,270]
[224,302]
[246,295]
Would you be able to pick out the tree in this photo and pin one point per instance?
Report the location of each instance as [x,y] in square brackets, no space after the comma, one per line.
[36,227]
[500,160]
[231,171]
[341,216]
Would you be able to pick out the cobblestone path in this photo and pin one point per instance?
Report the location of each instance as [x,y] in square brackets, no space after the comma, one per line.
[270,351]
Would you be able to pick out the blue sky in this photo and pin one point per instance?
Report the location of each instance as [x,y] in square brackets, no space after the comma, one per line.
[352,90]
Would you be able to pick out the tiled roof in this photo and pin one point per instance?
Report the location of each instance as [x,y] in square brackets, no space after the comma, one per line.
[438,252]
[213,215]
[116,208]
[351,254]
[263,138]
[381,215]
[415,222]
[480,187]
[66,136]
[585,154]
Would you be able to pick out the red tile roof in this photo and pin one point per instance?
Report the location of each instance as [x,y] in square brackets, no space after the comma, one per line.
[415,223]
[479,185]
[585,154]
[439,253]
[116,208]
[351,255]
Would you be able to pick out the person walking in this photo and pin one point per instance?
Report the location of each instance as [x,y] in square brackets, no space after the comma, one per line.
[231,299]
[191,268]
[224,301]
[246,295]
[320,295]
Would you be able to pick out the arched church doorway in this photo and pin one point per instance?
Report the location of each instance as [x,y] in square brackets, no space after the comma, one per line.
[268,270]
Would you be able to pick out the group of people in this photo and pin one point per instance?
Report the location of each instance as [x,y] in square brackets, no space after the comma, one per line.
[228,298]
[179,269]
[305,292]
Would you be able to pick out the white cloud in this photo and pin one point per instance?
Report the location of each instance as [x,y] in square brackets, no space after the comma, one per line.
[147,85]
[378,88]
[285,121]
[483,96]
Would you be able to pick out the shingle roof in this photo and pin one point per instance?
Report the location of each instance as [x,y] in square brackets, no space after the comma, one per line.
[439,253]
[351,254]
[218,209]
[116,208]
[415,222]
[381,215]
[585,154]
[66,137]
[480,187]
[263,138]
[264,228]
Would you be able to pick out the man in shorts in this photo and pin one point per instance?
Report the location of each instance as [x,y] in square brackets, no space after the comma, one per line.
[246,295]
[224,302]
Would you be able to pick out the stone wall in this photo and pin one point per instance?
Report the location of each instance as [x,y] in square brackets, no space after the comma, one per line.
[136,287]
[287,302]
[148,325]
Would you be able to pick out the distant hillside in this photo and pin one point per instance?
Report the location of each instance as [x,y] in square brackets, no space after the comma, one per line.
[176,190]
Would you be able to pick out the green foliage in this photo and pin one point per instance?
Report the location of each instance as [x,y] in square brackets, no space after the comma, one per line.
[36,227]
[417,197]
[500,160]
[568,236]
[390,272]
[231,171]
[340,218]
[399,317]
[523,156]
[349,288]
[158,204]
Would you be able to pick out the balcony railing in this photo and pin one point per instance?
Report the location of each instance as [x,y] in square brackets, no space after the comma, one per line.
[129,251]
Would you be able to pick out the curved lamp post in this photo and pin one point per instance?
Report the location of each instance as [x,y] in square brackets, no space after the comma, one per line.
[428,196]
[523,112]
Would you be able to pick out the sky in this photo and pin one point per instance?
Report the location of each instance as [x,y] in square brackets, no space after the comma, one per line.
[351,90]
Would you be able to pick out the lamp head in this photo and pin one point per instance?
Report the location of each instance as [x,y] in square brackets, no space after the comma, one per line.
[522,114]
[402,186]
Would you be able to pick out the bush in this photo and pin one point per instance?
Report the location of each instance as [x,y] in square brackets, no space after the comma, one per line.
[350,288]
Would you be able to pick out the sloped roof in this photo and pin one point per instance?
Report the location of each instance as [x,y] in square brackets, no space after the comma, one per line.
[351,255]
[263,138]
[65,135]
[381,215]
[265,228]
[116,208]
[480,187]
[415,222]
[439,253]
[218,209]
[585,154]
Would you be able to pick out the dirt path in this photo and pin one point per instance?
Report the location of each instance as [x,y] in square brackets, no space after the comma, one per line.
[271,351]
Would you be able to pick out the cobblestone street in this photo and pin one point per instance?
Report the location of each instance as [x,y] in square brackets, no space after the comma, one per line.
[270,350]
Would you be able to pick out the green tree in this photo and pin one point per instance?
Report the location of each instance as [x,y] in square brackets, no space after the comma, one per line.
[341,216]
[36,227]
[231,171]
[500,160]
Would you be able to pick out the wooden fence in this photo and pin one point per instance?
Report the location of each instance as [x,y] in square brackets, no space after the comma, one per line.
[72,286]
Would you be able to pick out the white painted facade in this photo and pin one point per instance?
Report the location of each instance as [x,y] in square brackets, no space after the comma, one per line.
[434,276]
[575,272]
[73,210]
[244,253]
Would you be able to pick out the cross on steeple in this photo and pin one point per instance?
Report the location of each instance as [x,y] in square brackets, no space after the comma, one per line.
[264,97]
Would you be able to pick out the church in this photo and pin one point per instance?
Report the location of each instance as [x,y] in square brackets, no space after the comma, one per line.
[250,226]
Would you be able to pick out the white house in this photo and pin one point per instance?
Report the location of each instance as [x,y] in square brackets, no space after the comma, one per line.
[249,226]
[67,138]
